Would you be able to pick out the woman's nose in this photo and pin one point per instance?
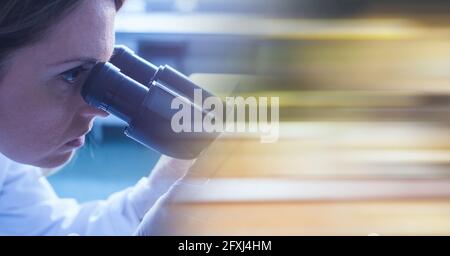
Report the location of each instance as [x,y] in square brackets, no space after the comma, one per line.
[91,112]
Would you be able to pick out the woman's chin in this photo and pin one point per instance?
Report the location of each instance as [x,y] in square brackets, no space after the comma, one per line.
[56,160]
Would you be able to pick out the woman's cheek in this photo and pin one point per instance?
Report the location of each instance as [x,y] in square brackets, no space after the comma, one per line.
[36,120]
[50,117]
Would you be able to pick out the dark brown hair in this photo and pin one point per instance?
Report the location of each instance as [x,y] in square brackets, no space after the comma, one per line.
[23,22]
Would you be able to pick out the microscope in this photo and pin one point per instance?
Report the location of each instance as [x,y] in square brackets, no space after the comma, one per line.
[140,93]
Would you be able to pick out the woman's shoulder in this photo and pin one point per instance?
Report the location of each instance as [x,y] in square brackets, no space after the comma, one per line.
[4,166]
[12,171]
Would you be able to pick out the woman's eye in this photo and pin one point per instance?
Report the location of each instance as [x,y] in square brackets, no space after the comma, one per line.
[74,75]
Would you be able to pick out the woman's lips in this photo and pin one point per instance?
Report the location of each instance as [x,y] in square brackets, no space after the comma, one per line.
[76,143]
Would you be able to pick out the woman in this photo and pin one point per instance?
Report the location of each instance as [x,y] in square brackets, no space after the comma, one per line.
[46,49]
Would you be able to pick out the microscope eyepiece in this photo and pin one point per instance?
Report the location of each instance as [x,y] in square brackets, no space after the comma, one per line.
[133,65]
[107,88]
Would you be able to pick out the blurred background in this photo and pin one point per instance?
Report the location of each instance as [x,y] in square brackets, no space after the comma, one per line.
[364,89]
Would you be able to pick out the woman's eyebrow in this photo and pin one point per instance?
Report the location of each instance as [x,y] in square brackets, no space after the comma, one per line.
[76,59]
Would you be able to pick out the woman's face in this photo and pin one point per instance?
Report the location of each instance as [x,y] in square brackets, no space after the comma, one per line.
[43,117]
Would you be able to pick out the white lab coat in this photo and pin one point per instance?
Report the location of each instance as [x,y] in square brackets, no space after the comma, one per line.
[29,206]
